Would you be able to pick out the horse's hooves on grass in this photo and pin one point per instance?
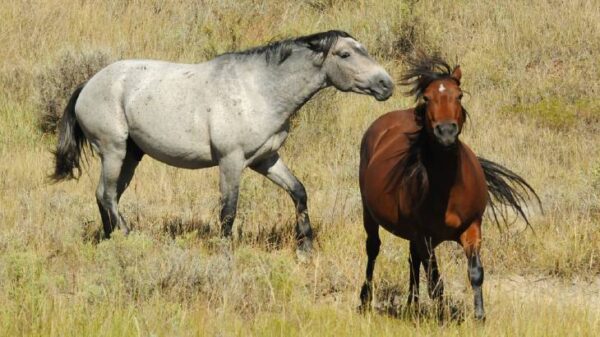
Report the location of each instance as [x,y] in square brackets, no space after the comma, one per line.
[220,245]
[480,317]
[363,308]
[451,312]
[304,251]
[303,256]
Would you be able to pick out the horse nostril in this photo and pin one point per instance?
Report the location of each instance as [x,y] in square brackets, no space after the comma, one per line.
[438,129]
[447,129]
[453,128]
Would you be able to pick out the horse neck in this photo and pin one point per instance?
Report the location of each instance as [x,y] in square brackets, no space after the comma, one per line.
[289,85]
[441,163]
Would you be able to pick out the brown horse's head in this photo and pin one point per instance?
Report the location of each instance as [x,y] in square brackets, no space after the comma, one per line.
[438,85]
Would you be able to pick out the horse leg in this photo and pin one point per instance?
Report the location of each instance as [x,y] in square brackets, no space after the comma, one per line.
[132,159]
[230,171]
[107,191]
[471,242]
[414,262]
[275,170]
[435,286]
[425,250]
[373,244]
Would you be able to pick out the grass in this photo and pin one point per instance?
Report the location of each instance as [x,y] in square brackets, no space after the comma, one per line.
[533,103]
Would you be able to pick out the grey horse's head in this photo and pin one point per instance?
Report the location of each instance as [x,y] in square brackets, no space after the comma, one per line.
[349,67]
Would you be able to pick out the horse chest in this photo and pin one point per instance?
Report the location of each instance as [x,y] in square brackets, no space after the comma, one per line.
[271,145]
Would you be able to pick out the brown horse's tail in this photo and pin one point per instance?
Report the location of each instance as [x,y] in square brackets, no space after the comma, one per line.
[508,191]
[71,141]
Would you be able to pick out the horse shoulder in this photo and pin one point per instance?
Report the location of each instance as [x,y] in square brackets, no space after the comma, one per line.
[384,143]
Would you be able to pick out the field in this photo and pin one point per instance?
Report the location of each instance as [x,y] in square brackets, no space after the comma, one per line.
[531,69]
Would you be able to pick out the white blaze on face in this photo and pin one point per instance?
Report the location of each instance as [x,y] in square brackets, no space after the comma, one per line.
[442,88]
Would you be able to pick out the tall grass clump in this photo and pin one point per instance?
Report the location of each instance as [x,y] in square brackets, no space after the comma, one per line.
[55,82]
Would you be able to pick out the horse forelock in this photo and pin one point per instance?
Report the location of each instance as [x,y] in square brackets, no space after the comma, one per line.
[277,52]
[424,70]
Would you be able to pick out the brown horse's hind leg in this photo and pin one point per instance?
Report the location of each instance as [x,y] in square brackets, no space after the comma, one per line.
[414,262]
[471,242]
[373,244]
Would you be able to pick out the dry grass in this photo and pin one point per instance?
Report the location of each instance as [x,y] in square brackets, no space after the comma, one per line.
[524,63]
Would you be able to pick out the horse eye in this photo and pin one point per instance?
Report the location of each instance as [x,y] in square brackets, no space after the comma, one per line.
[426,99]
[345,55]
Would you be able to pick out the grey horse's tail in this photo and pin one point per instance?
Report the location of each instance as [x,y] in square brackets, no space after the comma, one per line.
[71,141]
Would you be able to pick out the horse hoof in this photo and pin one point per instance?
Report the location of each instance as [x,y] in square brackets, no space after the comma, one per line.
[303,256]
[480,317]
[363,308]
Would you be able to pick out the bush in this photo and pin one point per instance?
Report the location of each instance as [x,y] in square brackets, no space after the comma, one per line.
[55,83]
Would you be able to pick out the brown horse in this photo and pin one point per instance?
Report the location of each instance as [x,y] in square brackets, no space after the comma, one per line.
[421,183]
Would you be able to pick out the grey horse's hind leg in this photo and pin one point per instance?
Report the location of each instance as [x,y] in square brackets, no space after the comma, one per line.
[275,170]
[117,172]
[230,171]
[132,159]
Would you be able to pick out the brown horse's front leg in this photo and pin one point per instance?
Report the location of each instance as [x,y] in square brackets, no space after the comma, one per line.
[471,242]
[373,243]
[414,262]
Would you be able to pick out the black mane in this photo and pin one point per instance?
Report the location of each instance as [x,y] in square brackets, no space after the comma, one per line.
[422,71]
[277,52]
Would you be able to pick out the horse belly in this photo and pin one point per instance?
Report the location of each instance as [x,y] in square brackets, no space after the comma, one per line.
[181,140]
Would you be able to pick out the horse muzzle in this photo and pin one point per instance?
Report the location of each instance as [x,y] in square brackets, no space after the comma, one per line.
[446,133]
[382,86]
[379,86]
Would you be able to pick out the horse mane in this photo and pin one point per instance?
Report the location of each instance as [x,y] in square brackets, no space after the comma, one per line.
[409,172]
[277,52]
[422,71]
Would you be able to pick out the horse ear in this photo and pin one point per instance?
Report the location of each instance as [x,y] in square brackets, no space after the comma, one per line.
[456,73]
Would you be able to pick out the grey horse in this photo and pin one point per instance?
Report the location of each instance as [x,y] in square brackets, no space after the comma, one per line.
[232,111]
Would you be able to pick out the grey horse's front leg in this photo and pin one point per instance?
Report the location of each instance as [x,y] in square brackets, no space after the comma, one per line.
[275,169]
[230,171]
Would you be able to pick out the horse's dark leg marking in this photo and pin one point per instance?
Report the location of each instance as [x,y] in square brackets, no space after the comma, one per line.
[132,159]
[106,193]
[414,262]
[112,183]
[106,224]
[230,170]
[275,170]
[426,250]
[471,242]
[373,244]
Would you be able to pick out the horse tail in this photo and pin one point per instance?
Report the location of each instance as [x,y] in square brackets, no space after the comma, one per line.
[508,190]
[71,141]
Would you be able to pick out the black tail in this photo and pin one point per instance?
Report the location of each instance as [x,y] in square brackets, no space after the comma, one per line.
[71,141]
[508,190]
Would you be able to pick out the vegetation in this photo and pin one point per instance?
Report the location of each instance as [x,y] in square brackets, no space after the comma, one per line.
[531,68]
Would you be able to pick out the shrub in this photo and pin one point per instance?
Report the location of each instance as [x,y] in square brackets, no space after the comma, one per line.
[55,83]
